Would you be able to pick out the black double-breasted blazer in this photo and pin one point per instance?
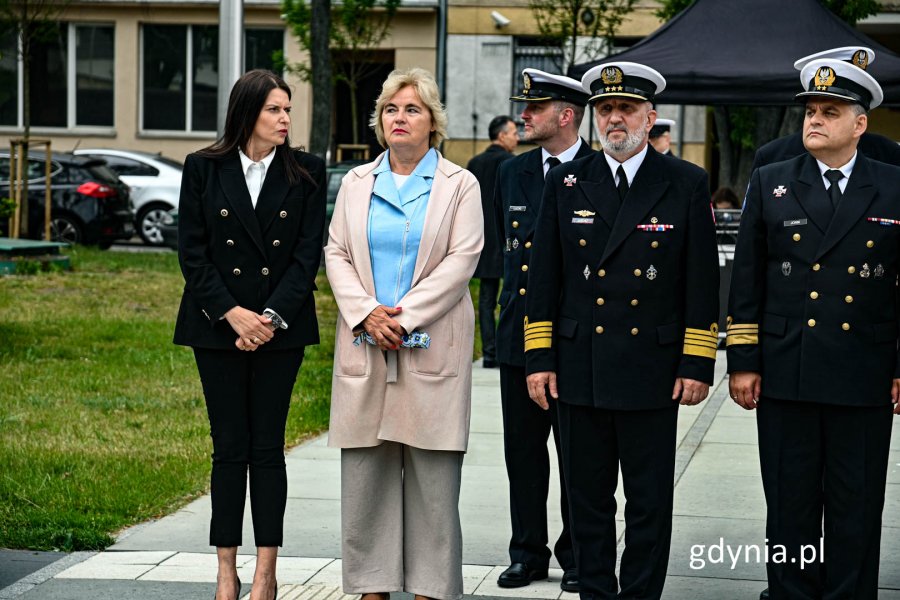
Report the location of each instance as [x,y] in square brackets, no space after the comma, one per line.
[232,255]
[623,300]
[813,304]
[517,200]
[484,167]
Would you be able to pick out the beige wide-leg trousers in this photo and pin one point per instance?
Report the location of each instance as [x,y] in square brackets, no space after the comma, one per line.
[400,521]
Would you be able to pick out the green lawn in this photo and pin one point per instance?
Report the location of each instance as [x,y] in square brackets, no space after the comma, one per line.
[102,420]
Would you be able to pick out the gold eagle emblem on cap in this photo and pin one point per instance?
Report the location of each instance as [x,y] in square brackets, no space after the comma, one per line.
[860,59]
[824,77]
[611,75]
[526,78]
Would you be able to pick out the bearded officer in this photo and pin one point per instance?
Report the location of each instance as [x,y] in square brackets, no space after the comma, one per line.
[553,111]
[812,338]
[621,328]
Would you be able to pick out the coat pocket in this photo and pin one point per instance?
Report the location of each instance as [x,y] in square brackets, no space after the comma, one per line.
[441,358]
[567,327]
[774,324]
[350,360]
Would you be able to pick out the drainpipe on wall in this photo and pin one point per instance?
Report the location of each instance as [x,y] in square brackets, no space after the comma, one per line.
[231,54]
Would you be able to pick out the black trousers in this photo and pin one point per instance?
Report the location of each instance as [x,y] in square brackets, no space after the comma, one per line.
[823,461]
[247,399]
[526,428]
[594,443]
[487,304]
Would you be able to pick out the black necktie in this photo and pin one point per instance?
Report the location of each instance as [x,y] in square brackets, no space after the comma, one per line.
[622,187]
[834,192]
[552,162]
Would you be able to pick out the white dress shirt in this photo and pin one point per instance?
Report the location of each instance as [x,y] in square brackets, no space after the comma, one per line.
[631,165]
[564,156]
[255,173]
[846,170]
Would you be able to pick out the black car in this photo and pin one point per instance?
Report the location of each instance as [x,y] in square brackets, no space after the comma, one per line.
[89,203]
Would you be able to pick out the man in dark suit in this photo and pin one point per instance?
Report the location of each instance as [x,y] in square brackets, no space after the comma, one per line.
[813,339]
[872,145]
[554,109]
[504,138]
[661,136]
[621,328]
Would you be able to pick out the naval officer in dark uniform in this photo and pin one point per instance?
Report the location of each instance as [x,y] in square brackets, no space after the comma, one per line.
[813,335]
[621,328]
[554,109]
[874,146]
[504,138]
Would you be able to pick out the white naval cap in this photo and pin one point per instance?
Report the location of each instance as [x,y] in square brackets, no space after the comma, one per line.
[860,56]
[623,80]
[842,80]
[540,86]
[660,127]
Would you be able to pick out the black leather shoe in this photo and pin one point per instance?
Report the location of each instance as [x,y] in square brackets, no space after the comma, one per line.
[488,364]
[519,574]
[569,581]
[764,595]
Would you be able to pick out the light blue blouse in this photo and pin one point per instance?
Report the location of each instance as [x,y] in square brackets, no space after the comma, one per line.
[396,219]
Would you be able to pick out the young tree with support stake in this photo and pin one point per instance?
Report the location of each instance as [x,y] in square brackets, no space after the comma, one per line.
[356,29]
[31,21]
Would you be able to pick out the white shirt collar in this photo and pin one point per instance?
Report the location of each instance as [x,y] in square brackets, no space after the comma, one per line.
[564,156]
[846,169]
[631,165]
[246,162]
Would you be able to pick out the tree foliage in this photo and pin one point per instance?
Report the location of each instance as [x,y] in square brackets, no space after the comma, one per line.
[562,22]
[357,29]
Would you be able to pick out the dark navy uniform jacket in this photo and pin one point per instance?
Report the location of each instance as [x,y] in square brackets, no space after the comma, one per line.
[517,200]
[232,255]
[624,301]
[813,304]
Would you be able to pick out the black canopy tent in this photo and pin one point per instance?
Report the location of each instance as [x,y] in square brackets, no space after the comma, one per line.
[743,51]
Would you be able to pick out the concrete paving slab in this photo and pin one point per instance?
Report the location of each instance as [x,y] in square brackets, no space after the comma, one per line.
[703,588]
[729,496]
[90,589]
[700,548]
[715,458]
[17,564]
[314,479]
[732,430]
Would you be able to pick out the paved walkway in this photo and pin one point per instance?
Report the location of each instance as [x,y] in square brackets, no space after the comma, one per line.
[718,501]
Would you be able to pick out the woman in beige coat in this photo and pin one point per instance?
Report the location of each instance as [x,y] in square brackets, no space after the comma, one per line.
[404,241]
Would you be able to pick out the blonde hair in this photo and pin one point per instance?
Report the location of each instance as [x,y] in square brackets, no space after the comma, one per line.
[427,89]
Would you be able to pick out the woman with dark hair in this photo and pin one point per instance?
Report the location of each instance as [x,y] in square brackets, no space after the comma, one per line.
[251,217]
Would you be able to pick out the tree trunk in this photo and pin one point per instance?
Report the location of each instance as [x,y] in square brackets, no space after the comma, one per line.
[353,84]
[26,115]
[735,158]
[322,86]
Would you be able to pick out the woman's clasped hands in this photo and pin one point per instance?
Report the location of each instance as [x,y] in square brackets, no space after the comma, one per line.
[380,325]
[253,329]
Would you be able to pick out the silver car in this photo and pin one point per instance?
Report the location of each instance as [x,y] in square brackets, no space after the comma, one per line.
[155,183]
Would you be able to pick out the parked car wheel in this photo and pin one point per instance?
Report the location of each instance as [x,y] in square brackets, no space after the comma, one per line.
[149,220]
[66,229]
